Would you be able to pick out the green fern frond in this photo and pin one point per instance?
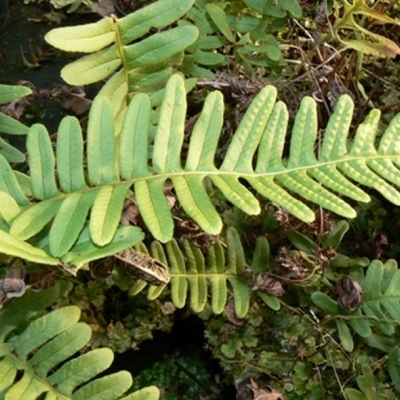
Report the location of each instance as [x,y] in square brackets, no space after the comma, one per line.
[380,308]
[35,357]
[370,387]
[197,277]
[381,301]
[249,35]
[131,65]
[202,53]
[72,194]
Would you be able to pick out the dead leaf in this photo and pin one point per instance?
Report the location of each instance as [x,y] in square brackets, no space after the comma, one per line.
[231,314]
[350,293]
[71,98]
[269,284]
[248,389]
[104,7]
[130,212]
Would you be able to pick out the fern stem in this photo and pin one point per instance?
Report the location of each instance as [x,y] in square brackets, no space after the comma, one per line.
[120,46]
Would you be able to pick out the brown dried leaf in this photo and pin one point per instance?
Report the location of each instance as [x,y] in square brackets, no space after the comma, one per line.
[350,293]
[290,265]
[71,98]
[104,7]
[231,314]
[188,229]
[102,269]
[269,284]
[39,280]
[248,389]
[130,212]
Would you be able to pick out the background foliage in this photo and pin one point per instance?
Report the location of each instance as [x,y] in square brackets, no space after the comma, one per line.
[191,156]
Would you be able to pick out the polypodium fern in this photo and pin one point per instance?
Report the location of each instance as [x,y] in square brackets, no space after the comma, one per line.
[246,28]
[65,196]
[35,356]
[380,307]
[370,387]
[197,276]
[116,53]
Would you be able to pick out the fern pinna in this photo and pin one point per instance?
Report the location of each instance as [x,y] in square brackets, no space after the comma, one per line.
[69,209]
[9,125]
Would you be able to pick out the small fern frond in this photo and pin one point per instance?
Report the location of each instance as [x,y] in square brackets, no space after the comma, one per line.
[196,277]
[382,295]
[132,65]
[369,385]
[36,359]
[203,52]
[380,308]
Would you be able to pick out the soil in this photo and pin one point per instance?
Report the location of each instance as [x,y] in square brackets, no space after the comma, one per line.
[124,7]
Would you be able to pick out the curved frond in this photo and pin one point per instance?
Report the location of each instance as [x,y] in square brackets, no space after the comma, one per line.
[147,393]
[254,164]
[40,357]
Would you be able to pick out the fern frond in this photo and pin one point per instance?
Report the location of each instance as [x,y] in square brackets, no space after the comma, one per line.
[203,53]
[224,24]
[263,128]
[131,65]
[380,308]
[36,359]
[195,278]
[381,301]
[117,165]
